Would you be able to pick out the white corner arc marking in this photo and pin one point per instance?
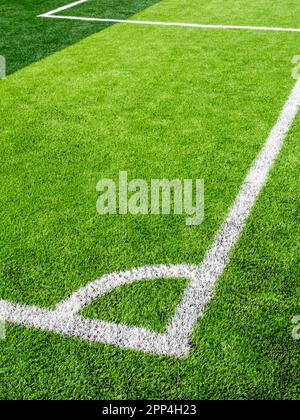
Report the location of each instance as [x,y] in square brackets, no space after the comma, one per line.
[64,318]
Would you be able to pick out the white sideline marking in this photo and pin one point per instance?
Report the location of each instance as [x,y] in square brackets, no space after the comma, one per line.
[62,8]
[65,319]
[53,15]
[185,25]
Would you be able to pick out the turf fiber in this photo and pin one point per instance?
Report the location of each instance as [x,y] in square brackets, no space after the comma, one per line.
[159,103]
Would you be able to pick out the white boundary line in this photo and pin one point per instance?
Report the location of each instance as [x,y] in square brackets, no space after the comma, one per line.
[53,15]
[65,319]
[62,8]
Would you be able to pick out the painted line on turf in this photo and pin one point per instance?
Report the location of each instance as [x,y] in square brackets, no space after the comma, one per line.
[53,15]
[62,8]
[198,294]
[176,24]
[65,319]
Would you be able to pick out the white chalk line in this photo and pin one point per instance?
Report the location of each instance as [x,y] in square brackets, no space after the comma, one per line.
[64,318]
[53,15]
[133,338]
[174,24]
[63,8]
[199,292]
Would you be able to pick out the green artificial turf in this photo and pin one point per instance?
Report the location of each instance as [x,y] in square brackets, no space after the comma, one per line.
[226,12]
[25,38]
[153,309]
[159,103]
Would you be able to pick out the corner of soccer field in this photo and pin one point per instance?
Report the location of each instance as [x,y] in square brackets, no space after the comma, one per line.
[149,188]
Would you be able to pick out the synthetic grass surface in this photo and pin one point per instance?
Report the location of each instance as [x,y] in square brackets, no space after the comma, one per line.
[25,38]
[84,119]
[230,12]
[157,102]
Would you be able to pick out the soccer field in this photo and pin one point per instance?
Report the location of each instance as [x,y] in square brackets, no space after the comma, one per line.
[144,306]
